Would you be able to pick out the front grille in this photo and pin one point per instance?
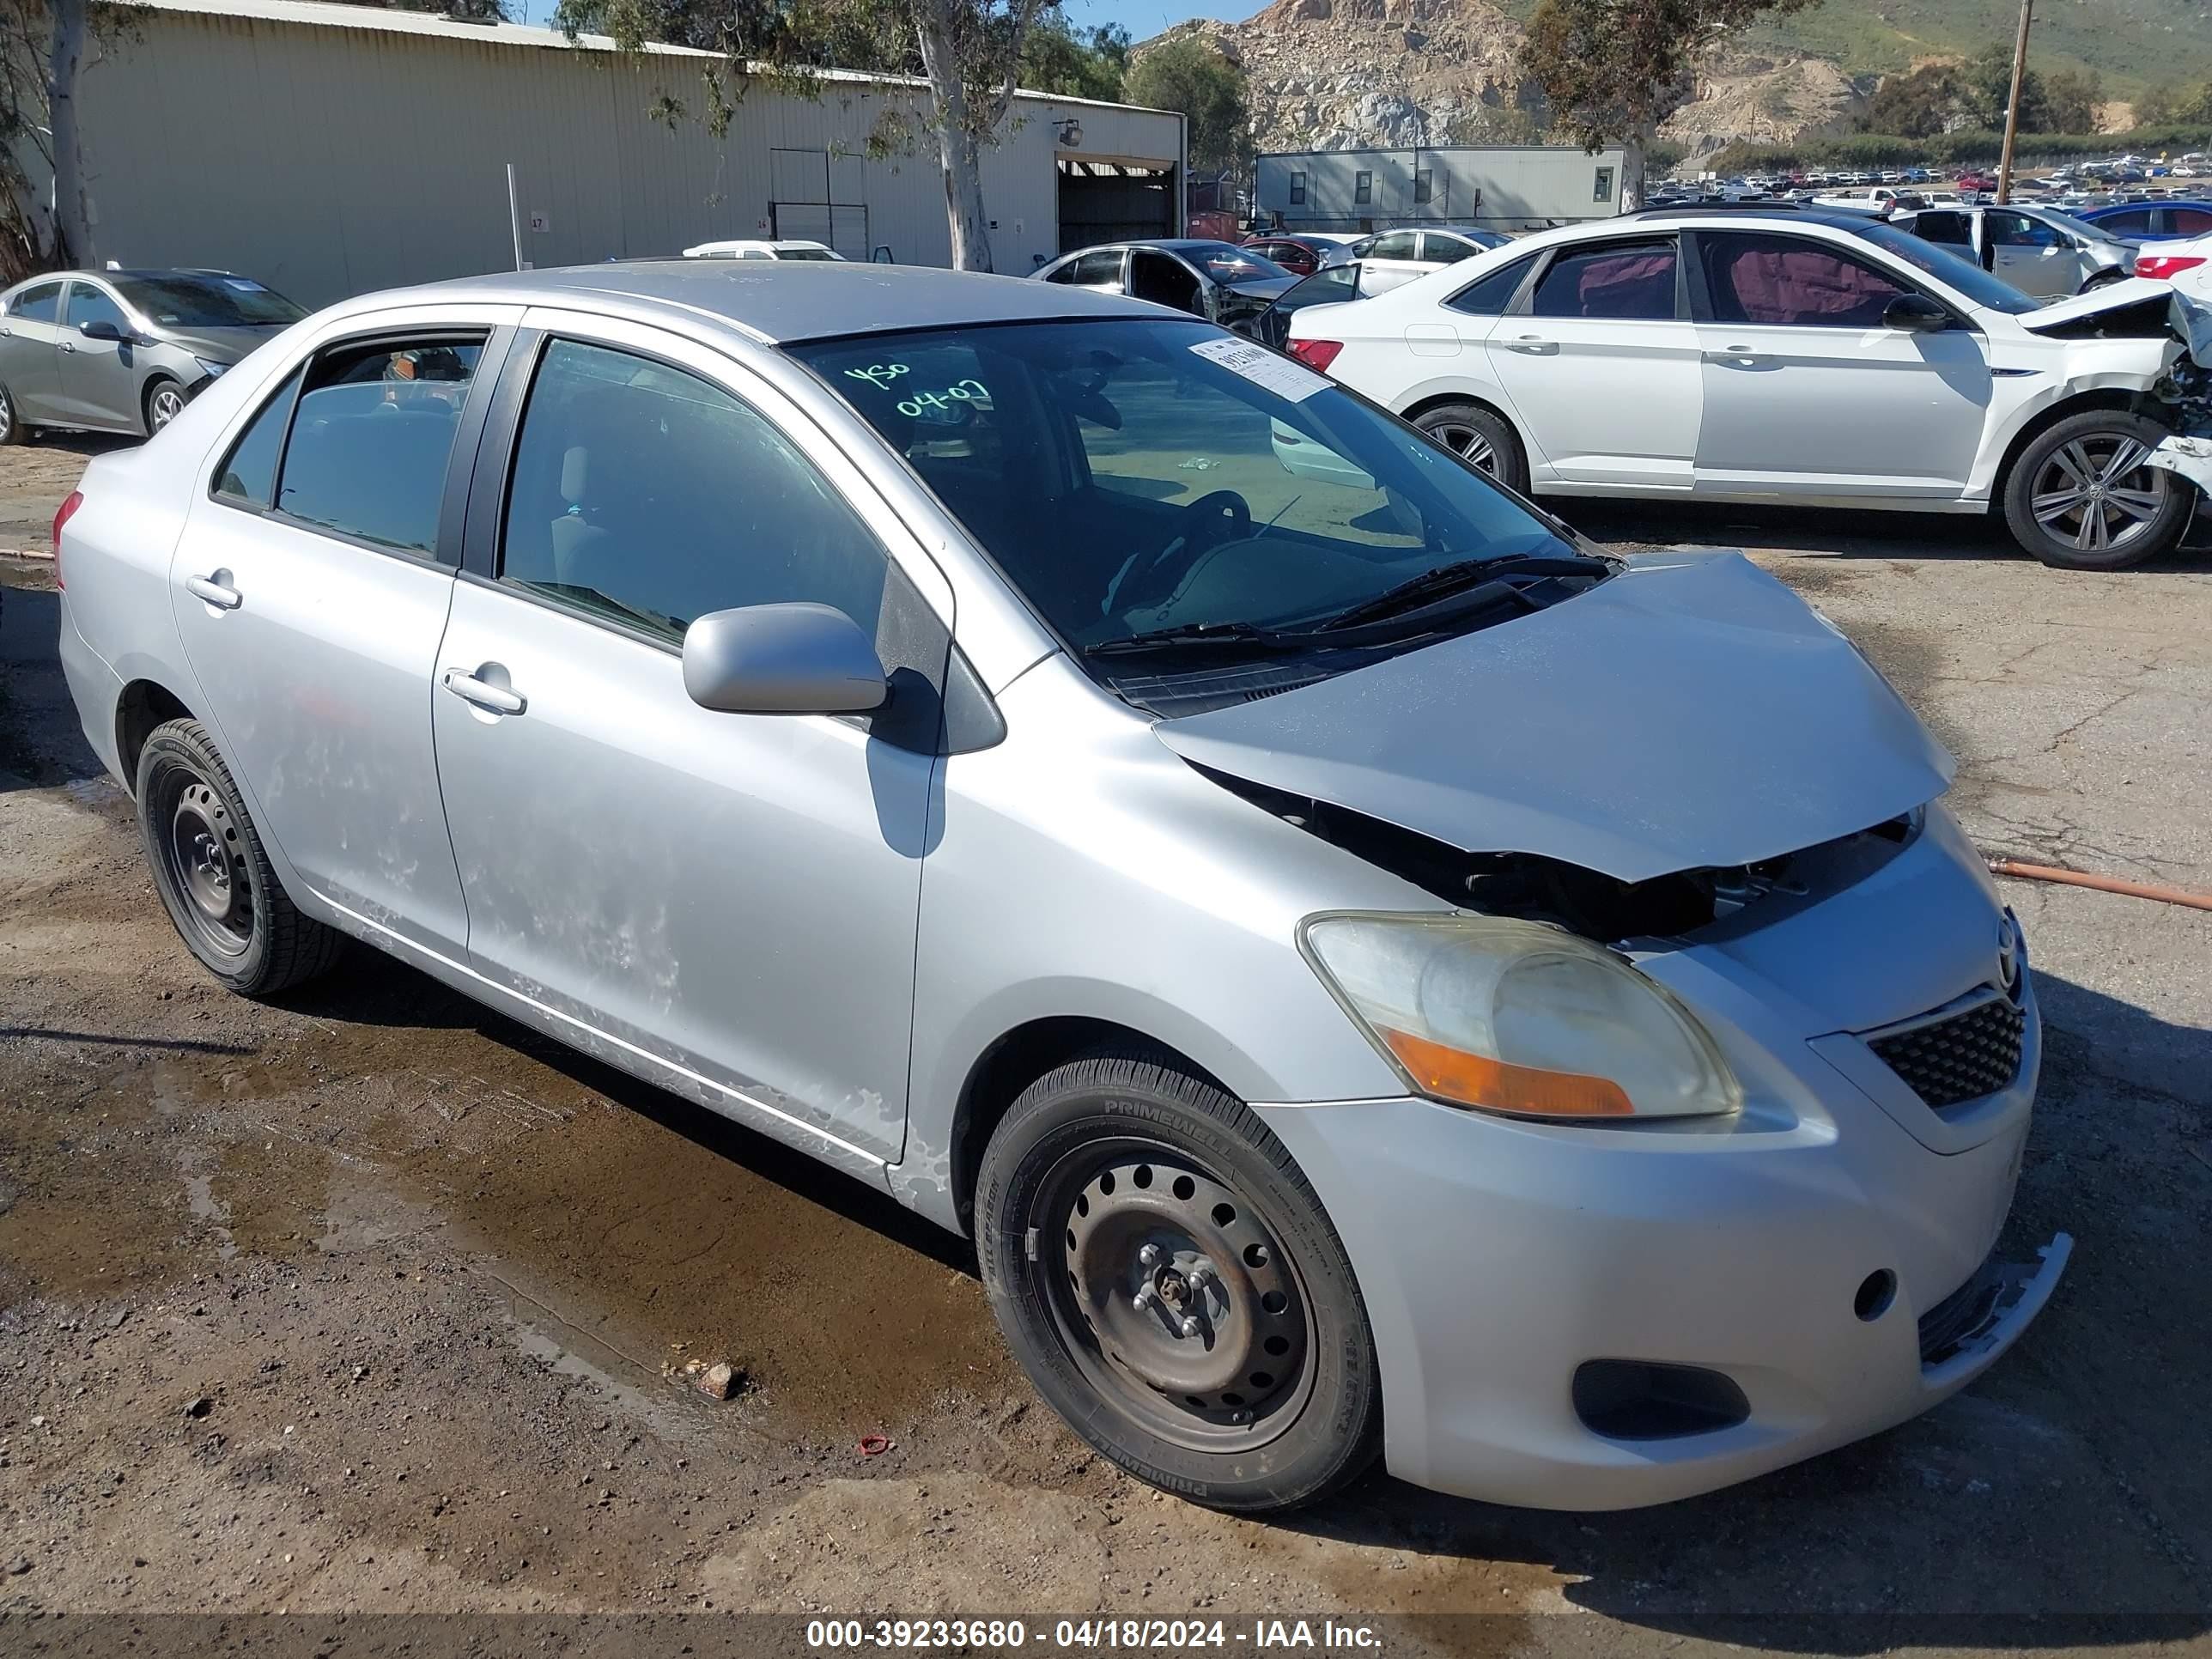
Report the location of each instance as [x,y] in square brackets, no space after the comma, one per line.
[1961,1056]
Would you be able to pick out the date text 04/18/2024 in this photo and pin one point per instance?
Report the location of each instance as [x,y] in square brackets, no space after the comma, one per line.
[1161,1635]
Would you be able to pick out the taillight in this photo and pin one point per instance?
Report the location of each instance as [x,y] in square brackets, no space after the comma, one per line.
[1316,354]
[68,512]
[2166,266]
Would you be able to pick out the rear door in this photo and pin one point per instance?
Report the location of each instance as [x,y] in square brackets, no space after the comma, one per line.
[1808,392]
[99,378]
[30,364]
[310,588]
[1599,359]
[2035,258]
[734,896]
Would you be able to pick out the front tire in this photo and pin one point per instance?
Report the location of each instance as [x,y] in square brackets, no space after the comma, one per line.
[165,401]
[2080,497]
[1172,1285]
[12,429]
[213,875]
[1480,438]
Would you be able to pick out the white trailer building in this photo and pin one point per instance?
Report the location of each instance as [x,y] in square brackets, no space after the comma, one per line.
[328,149]
[1503,187]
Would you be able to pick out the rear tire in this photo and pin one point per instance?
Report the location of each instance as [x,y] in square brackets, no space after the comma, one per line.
[1480,438]
[213,873]
[1245,1378]
[2079,497]
[12,429]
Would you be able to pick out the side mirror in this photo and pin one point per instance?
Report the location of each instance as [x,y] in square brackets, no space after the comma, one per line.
[783,659]
[99,329]
[1915,313]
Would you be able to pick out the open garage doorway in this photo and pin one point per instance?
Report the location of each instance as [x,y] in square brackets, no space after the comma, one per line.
[1113,202]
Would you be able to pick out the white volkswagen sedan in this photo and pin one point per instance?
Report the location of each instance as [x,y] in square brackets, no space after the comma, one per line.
[1800,356]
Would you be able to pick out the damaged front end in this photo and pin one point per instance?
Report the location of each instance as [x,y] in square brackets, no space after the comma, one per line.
[2183,400]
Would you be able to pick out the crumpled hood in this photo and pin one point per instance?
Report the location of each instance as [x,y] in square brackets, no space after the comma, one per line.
[1690,712]
[2190,318]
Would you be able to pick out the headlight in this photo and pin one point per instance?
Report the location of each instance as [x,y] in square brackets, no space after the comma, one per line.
[1519,1018]
[213,369]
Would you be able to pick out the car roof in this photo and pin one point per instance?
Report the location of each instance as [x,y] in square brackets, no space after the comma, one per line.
[779,302]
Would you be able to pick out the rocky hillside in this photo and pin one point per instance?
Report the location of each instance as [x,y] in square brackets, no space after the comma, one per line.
[1349,73]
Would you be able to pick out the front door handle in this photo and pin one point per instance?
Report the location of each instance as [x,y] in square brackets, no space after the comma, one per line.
[482,693]
[215,590]
[67,347]
[1742,356]
[1534,345]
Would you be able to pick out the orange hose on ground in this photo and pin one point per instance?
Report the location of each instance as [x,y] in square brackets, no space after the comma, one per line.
[2141,889]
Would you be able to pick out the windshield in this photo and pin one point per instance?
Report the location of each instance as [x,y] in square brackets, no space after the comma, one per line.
[183,302]
[1948,269]
[1132,476]
[1225,264]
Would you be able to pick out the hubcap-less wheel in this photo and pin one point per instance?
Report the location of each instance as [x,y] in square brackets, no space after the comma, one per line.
[2096,493]
[1466,442]
[6,417]
[164,406]
[206,862]
[1175,1298]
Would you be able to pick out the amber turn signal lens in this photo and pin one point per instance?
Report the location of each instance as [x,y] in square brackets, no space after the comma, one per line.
[1494,1085]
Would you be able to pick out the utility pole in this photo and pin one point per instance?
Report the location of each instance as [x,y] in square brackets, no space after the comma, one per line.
[2012,104]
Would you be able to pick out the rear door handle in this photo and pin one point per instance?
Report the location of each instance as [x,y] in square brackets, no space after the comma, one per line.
[494,699]
[1534,345]
[215,590]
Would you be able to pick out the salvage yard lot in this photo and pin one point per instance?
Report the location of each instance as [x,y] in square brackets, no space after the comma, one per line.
[369,1300]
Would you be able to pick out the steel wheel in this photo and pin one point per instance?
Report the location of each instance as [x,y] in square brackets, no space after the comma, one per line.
[2096,493]
[7,416]
[1470,445]
[167,403]
[1174,1296]
[204,858]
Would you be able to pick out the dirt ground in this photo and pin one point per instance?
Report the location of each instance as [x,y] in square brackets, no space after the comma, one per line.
[367,1303]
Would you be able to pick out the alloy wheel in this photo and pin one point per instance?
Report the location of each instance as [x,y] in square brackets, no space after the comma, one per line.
[1173,1295]
[1470,444]
[7,416]
[164,406]
[2096,493]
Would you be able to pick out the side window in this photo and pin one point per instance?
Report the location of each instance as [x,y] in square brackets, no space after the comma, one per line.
[1324,287]
[1446,249]
[1951,229]
[87,304]
[2018,230]
[2136,222]
[1621,281]
[372,437]
[1297,189]
[1782,280]
[1602,186]
[1425,183]
[41,304]
[2188,221]
[1488,297]
[249,473]
[1363,187]
[1395,245]
[1061,273]
[648,495]
[1103,266]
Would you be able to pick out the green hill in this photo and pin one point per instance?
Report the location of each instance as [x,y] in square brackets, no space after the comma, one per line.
[2133,44]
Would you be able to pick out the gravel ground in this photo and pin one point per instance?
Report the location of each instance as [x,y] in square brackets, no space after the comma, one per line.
[372,1304]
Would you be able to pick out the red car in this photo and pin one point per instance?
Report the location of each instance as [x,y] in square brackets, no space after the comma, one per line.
[1301,255]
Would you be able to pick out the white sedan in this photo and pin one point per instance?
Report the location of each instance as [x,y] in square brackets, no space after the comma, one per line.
[2186,262]
[751,249]
[1809,357]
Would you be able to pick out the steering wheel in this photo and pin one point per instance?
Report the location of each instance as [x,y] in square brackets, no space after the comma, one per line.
[1219,516]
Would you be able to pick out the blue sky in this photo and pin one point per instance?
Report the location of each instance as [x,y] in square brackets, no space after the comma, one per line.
[1140,17]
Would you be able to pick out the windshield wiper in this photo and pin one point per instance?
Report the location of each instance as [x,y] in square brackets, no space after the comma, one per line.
[1446,579]
[1242,635]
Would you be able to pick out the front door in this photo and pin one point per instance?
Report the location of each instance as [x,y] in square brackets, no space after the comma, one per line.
[310,588]
[2035,258]
[1601,363]
[100,385]
[1808,392]
[735,896]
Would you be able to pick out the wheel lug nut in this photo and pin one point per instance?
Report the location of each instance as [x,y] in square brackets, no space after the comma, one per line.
[1149,1256]
[1189,1326]
[1143,1298]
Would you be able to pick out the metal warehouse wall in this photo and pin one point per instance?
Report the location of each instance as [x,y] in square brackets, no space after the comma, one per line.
[1505,187]
[328,160]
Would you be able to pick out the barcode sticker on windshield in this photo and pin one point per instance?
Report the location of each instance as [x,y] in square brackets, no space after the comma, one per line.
[1263,367]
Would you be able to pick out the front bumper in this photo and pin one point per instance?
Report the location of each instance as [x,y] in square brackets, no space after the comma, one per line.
[1498,1258]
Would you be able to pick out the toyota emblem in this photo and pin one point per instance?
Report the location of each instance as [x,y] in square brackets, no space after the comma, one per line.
[2008,953]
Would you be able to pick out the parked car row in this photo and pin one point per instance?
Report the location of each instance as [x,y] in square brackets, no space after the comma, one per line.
[1375,974]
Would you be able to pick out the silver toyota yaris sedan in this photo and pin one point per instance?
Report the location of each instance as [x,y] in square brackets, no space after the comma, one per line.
[1373,973]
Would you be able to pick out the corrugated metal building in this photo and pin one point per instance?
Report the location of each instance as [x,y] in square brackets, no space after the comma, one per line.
[1498,187]
[328,149]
